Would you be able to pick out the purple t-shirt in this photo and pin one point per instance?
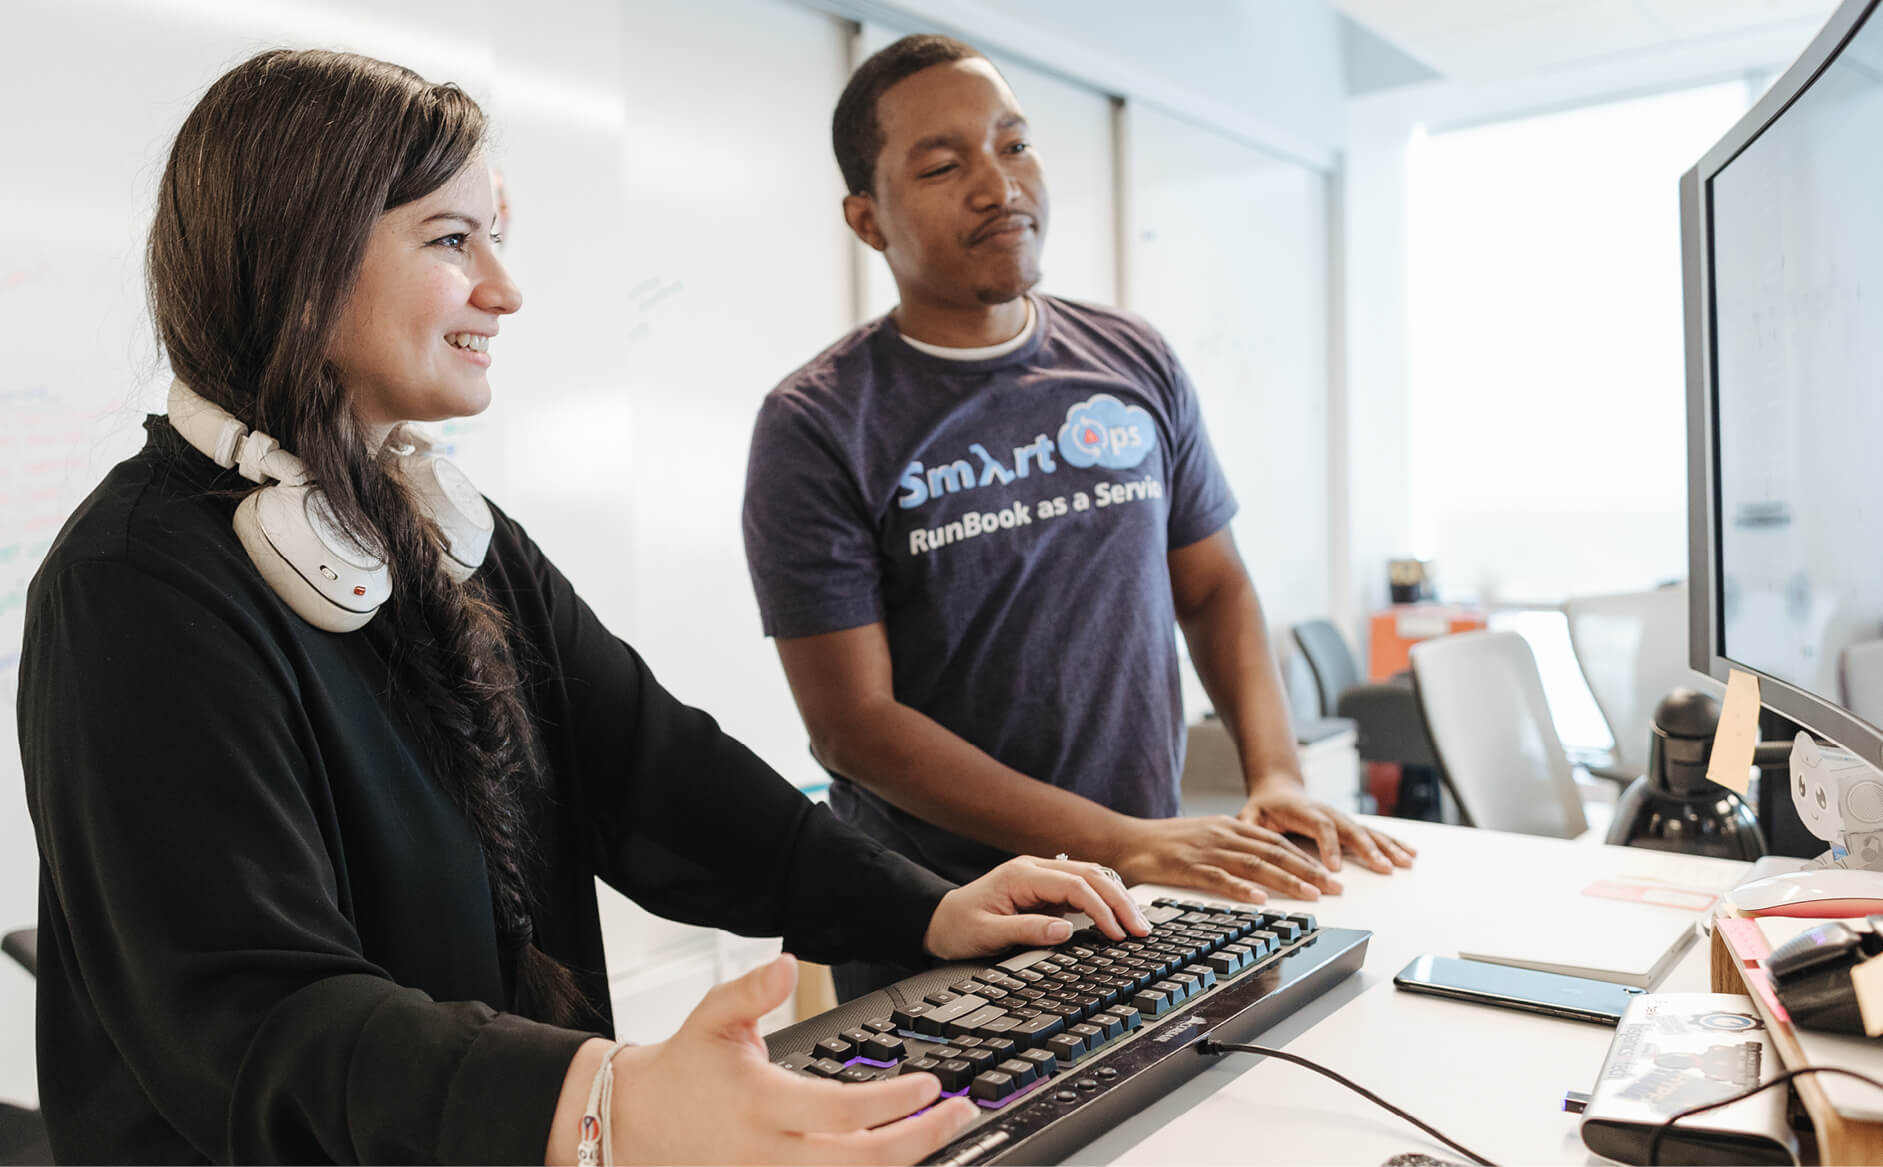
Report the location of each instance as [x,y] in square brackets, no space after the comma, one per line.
[1008,521]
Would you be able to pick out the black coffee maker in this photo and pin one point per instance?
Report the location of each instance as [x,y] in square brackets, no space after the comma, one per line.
[1674,807]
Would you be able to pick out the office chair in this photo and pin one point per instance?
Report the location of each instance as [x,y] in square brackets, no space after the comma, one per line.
[1632,649]
[23,1136]
[1482,701]
[1385,716]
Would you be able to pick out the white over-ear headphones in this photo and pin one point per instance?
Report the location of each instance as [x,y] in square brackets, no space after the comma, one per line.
[288,528]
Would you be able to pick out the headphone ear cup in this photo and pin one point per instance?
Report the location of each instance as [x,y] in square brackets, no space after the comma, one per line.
[293,541]
[462,515]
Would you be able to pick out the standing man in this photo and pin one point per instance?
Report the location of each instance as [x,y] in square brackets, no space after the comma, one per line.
[971,524]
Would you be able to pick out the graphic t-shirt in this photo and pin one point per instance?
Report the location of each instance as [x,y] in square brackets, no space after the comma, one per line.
[1008,521]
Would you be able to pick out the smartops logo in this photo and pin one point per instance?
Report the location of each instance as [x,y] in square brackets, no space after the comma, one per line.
[1099,431]
[1104,431]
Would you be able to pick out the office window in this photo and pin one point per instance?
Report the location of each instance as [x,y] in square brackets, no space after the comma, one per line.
[1547,364]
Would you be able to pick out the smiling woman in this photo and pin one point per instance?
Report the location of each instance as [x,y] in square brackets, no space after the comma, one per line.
[319,893]
[414,340]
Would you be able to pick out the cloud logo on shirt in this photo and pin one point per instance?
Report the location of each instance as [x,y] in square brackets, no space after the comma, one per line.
[1104,431]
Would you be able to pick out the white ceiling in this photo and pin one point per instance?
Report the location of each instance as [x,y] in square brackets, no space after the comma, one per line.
[1469,40]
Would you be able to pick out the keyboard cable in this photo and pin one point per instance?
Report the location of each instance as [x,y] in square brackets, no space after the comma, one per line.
[1211,1046]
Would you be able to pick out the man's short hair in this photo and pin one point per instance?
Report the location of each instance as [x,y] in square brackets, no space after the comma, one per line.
[855,132]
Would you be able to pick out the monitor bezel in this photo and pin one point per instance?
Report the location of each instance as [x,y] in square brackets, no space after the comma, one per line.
[1705,622]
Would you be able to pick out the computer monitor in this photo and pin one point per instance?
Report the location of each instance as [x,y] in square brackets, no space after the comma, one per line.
[1782,226]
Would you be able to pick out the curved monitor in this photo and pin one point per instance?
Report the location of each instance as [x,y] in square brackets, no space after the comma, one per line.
[1782,226]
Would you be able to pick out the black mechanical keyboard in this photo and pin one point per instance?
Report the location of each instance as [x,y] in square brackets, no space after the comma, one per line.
[1057,1046]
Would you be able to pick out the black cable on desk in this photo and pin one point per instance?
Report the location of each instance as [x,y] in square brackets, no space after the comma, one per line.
[1209,1046]
[1660,1132]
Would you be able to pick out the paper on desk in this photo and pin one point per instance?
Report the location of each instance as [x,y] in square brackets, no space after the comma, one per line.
[1738,734]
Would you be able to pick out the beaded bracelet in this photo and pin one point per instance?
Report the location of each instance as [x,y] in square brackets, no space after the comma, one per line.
[597,1145]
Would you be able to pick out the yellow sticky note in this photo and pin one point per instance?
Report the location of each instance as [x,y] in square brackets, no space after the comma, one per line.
[1737,735]
[1867,980]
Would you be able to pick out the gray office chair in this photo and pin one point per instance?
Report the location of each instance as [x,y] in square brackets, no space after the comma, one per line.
[23,1130]
[1483,704]
[1385,716]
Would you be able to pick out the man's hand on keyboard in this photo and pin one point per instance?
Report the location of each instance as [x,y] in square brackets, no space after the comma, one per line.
[996,911]
[1282,805]
[1220,855]
[708,1094]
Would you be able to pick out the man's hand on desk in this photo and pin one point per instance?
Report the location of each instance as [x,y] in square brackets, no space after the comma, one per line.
[1280,804]
[997,911]
[1220,855]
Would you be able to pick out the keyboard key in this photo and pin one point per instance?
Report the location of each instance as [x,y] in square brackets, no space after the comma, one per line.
[1110,1022]
[1151,1003]
[1029,975]
[905,1016]
[1173,990]
[825,1068]
[1066,1047]
[963,988]
[923,1065]
[1023,1073]
[971,1022]
[992,1086]
[1023,1012]
[935,1022]
[1127,1014]
[998,1028]
[1080,953]
[994,992]
[942,1053]
[1063,960]
[954,1074]
[1204,974]
[1001,1047]
[837,1048]
[1042,1060]
[978,1059]
[883,1047]
[1285,929]
[1305,919]
[1092,1035]
[1192,984]
[880,1025]
[855,1074]
[967,1041]
[940,997]
[796,1061]
[1036,1030]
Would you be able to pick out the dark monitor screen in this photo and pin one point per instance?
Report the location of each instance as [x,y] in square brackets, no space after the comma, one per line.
[1796,246]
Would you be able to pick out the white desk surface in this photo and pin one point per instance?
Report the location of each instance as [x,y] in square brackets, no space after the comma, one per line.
[1490,1078]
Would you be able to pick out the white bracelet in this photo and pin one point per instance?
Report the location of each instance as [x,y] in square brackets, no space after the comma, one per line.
[597,1123]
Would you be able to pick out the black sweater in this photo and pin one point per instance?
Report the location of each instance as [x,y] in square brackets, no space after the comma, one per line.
[266,932]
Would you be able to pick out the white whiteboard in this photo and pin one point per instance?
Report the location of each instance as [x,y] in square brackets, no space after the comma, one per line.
[1229,261]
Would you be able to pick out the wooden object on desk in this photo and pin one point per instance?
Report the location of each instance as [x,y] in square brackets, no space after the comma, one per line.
[1739,949]
[1392,633]
[815,993]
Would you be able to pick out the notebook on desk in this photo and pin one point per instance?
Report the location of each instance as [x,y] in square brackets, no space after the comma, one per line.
[1633,942]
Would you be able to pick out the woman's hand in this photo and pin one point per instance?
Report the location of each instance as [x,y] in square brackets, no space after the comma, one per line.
[996,911]
[709,1094]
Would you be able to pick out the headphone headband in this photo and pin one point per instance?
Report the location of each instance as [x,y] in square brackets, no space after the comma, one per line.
[288,528]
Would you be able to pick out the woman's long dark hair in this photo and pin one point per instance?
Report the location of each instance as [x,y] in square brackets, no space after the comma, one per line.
[269,198]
